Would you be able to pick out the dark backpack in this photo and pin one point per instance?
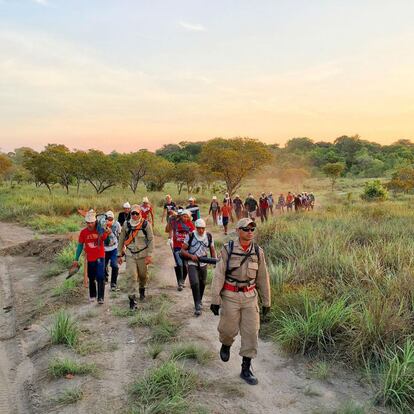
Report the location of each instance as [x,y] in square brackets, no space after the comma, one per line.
[245,255]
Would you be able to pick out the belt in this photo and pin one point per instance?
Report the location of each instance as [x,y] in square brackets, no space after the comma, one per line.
[233,288]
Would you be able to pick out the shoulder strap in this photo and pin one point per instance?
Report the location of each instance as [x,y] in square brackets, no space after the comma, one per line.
[190,239]
[210,239]
[229,253]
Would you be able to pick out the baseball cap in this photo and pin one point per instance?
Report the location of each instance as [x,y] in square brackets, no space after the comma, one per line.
[200,223]
[126,205]
[244,222]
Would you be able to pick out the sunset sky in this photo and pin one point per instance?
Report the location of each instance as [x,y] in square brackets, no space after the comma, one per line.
[118,74]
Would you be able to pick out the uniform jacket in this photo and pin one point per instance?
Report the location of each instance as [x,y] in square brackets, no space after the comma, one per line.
[138,243]
[252,269]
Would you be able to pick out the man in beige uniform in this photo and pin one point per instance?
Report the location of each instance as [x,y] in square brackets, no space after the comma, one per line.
[239,275]
[136,243]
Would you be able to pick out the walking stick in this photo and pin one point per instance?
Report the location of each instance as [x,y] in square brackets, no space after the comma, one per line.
[85,273]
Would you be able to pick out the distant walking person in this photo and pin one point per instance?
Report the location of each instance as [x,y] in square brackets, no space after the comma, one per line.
[147,212]
[124,215]
[214,209]
[168,207]
[264,207]
[271,202]
[251,206]
[111,249]
[281,203]
[197,245]
[238,207]
[225,215]
[194,209]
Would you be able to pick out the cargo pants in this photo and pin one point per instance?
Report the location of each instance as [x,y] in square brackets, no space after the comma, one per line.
[137,272]
[240,313]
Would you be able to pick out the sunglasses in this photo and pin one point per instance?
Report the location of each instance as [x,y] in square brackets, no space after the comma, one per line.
[110,219]
[246,229]
[135,213]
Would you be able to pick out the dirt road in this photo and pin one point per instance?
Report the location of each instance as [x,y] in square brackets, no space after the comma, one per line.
[285,385]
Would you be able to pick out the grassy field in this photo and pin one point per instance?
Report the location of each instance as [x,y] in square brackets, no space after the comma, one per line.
[343,287]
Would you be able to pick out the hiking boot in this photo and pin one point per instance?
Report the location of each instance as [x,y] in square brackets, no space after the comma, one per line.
[100,301]
[197,310]
[141,294]
[179,288]
[246,372]
[225,353]
[114,288]
[132,302]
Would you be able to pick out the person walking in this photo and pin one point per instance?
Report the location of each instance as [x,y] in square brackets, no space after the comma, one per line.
[227,199]
[251,206]
[225,216]
[271,202]
[136,243]
[169,206]
[214,209]
[147,212]
[239,276]
[238,207]
[197,245]
[290,198]
[194,209]
[111,249]
[264,207]
[124,215]
[281,203]
[92,238]
[179,227]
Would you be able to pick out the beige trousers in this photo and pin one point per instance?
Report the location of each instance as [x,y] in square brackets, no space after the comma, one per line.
[240,313]
[137,272]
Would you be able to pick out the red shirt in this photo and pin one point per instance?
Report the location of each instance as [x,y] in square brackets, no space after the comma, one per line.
[90,240]
[146,213]
[225,211]
[180,231]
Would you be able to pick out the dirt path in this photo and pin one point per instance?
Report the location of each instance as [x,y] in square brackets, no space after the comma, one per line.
[120,351]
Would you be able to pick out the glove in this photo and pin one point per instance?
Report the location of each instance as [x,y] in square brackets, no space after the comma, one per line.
[170,243]
[215,309]
[265,310]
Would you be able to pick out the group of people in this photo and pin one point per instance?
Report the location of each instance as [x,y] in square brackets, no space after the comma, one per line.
[240,270]
[264,207]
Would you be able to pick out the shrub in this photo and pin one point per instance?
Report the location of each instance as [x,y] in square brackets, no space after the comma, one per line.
[374,191]
[64,329]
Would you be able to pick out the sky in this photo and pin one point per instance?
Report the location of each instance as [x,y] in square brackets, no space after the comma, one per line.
[129,74]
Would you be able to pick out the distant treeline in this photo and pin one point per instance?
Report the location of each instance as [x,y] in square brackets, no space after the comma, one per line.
[195,165]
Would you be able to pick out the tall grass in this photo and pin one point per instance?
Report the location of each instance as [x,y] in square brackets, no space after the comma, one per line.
[59,367]
[164,389]
[342,284]
[64,329]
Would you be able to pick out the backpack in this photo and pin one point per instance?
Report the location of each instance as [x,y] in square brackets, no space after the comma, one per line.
[144,230]
[246,256]
[191,238]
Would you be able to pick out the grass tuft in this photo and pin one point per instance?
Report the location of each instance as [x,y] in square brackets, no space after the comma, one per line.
[64,329]
[164,389]
[191,351]
[69,396]
[59,367]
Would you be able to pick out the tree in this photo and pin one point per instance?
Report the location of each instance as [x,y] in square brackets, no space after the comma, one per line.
[100,170]
[5,164]
[186,174]
[61,163]
[299,145]
[234,159]
[41,167]
[161,172]
[333,170]
[137,165]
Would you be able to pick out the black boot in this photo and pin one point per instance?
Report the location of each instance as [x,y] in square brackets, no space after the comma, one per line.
[225,353]
[246,372]
[179,276]
[141,294]
[114,278]
[195,288]
[132,302]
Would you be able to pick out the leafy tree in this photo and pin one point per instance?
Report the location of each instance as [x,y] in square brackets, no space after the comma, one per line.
[347,147]
[234,159]
[137,165]
[100,170]
[299,145]
[161,172]
[186,174]
[333,171]
[5,164]
[41,167]
[61,163]
[374,191]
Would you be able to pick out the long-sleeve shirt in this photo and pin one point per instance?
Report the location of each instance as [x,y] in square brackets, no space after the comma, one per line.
[253,269]
[141,246]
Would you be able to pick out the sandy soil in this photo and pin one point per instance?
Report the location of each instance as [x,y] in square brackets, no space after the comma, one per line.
[121,351]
